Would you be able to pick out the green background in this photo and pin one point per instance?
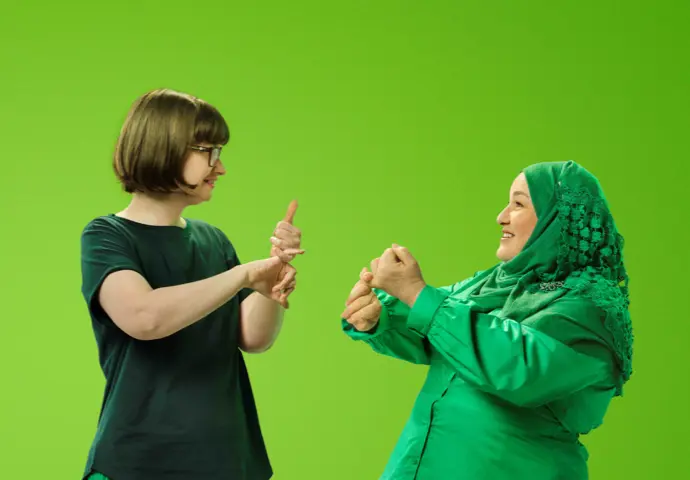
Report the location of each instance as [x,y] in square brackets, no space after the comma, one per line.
[390,122]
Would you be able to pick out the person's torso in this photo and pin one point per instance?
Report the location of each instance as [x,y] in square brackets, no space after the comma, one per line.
[179,407]
[458,431]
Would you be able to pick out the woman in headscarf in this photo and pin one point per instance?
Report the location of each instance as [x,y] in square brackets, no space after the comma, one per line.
[524,357]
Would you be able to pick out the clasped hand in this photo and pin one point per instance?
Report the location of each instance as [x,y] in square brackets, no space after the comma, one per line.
[397,273]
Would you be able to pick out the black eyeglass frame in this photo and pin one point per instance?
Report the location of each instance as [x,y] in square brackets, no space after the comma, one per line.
[214,153]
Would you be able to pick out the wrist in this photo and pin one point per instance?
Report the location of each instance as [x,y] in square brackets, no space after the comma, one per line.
[413,293]
[242,272]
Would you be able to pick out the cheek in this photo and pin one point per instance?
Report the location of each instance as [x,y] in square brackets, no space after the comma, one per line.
[194,172]
[525,224]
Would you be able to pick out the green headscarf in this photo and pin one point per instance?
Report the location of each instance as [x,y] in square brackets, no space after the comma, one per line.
[575,249]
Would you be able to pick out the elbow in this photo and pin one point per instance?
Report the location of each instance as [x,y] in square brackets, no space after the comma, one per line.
[256,346]
[256,340]
[254,350]
[522,395]
[517,390]
[146,327]
[144,335]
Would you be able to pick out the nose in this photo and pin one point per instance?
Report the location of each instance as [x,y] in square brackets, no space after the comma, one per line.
[503,217]
[219,168]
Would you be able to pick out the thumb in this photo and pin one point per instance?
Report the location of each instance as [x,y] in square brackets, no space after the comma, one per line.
[271,262]
[403,254]
[290,214]
[390,256]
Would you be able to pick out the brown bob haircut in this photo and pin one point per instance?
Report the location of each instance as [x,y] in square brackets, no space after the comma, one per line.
[154,141]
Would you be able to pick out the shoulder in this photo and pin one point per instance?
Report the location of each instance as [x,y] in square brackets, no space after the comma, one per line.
[210,232]
[103,227]
[458,288]
[572,316]
[203,227]
[107,236]
[101,222]
[572,303]
[578,322]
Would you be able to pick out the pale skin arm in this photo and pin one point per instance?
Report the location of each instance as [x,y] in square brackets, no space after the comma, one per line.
[261,322]
[261,318]
[145,313]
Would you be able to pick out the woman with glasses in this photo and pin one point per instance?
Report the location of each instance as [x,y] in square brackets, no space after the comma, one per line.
[172,307]
[523,357]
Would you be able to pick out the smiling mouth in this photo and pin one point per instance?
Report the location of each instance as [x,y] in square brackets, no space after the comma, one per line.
[507,236]
[210,183]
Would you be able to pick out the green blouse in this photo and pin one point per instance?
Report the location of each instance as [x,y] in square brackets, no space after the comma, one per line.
[503,399]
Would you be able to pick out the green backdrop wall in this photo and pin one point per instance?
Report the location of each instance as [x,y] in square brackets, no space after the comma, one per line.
[390,121]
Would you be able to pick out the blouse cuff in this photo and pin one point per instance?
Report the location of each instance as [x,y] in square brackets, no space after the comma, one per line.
[424,310]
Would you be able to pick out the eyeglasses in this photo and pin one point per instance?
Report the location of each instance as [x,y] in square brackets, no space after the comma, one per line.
[214,153]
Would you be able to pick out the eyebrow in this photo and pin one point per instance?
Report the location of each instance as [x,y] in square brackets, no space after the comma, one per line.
[515,194]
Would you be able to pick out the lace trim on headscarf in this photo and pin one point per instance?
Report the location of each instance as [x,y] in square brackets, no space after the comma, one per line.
[590,263]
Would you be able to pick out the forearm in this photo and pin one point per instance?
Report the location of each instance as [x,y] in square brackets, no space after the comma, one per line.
[400,343]
[502,356]
[168,310]
[260,323]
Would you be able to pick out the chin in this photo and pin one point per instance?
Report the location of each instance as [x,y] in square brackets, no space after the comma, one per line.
[503,256]
[198,198]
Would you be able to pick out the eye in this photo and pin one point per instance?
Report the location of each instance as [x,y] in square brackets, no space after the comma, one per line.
[519,204]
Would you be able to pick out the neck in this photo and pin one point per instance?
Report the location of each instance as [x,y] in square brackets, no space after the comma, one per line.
[155,209]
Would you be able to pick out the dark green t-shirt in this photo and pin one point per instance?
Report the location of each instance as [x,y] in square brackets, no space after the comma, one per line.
[181,407]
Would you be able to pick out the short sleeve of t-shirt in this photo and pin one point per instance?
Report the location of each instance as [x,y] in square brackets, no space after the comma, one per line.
[105,249]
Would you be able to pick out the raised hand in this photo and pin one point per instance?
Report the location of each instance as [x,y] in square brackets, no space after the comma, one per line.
[286,242]
[287,238]
[397,273]
[362,308]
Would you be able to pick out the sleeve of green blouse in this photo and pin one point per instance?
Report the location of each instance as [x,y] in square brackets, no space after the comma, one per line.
[503,357]
[391,336]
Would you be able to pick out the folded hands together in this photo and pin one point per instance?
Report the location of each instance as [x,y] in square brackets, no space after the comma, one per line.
[395,272]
